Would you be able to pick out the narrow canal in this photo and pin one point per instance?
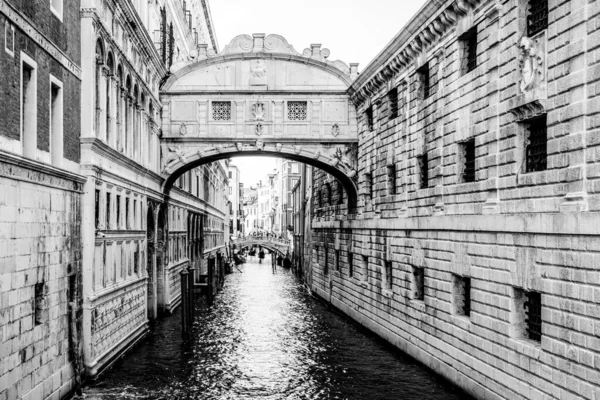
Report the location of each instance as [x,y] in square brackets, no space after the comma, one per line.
[265,337]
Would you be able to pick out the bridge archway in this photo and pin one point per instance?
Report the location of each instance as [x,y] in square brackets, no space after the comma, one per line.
[259,96]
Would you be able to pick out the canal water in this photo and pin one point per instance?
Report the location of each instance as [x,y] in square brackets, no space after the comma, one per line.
[266,337]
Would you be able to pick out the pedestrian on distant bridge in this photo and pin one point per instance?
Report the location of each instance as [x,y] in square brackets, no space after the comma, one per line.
[261,255]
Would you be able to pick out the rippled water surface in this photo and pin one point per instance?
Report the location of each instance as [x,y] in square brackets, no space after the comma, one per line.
[265,337]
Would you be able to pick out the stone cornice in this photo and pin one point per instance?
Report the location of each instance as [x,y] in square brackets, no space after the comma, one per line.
[99,173]
[208,208]
[104,150]
[209,25]
[427,28]
[13,166]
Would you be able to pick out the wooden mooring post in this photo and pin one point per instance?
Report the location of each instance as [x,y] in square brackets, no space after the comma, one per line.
[209,295]
[192,297]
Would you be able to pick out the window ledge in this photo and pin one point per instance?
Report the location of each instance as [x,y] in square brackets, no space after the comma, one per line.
[462,321]
[418,304]
[527,347]
[387,293]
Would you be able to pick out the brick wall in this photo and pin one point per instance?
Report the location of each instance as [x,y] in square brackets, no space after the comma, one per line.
[510,231]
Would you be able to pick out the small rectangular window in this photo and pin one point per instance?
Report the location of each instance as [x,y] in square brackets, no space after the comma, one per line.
[108,205]
[326,264]
[221,110]
[40,312]
[468,42]
[337,260]
[528,307]
[536,147]
[365,268]
[118,211]
[468,150]
[127,223]
[392,96]
[9,38]
[350,264]
[462,295]
[418,283]
[56,122]
[391,173]
[28,106]
[369,184]
[424,79]
[388,275]
[369,117]
[297,110]
[423,167]
[537,16]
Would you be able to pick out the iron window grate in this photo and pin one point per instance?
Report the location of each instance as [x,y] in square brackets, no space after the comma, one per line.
[423,171]
[388,275]
[466,306]
[469,154]
[536,151]
[537,18]
[391,169]
[221,110]
[533,311]
[297,110]
[471,49]
[419,278]
[393,103]
[350,264]
[425,81]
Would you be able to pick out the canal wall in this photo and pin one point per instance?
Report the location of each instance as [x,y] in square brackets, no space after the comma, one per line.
[474,246]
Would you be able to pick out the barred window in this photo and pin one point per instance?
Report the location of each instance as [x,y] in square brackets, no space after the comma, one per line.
[533,312]
[337,260]
[469,45]
[326,265]
[462,295]
[391,169]
[369,184]
[297,110]
[536,148]
[423,166]
[418,283]
[468,149]
[537,16]
[424,79]
[350,264]
[221,110]
[393,103]
[369,117]
[388,275]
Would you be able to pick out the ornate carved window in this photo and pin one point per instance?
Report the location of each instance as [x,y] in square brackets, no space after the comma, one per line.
[393,103]
[469,50]
[537,16]
[468,150]
[536,146]
[221,110]
[297,110]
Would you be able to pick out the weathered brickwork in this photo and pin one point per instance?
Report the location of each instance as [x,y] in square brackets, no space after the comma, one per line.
[39,260]
[433,220]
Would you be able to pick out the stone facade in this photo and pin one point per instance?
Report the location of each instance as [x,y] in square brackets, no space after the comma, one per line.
[137,230]
[40,200]
[474,245]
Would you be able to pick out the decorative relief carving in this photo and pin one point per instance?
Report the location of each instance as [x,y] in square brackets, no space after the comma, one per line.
[258,111]
[335,130]
[278,146]
[260,145]
[239,146]
[175,154]
[531,62]
[528,110]
[297,149]
[183,130]
[258,73]
[258,129]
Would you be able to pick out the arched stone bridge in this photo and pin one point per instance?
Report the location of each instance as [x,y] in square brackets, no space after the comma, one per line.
[278,245]
[259,96]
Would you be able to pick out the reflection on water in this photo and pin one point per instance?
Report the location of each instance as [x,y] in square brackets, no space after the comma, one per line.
[266,338]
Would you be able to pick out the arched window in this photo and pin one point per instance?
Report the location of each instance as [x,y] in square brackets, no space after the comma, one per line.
[99,64]
[109,96]
[119,109]
[127,116]
[136,123]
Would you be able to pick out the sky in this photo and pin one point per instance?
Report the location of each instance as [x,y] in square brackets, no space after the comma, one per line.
[353,30]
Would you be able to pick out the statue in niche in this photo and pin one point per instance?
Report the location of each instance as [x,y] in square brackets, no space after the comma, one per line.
[258,110]
[531,63]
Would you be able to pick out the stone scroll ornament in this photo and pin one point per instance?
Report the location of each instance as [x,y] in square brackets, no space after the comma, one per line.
[531,63]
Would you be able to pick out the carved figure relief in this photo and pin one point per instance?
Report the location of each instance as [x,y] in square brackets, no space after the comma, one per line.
[239,146]
[258,111]
[260,145]
[219,148]
[175,154]
[278,146]
[258,129]
[297,149]
[258,73]
[531,63]
[341,157]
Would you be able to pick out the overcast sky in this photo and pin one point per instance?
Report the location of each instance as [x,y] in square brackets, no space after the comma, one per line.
[354,31]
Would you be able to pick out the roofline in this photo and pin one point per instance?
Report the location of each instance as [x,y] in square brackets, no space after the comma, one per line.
[210,24]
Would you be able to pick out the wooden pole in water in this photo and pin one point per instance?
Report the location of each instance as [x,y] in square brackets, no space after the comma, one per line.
[209,287]
[184,302]
[191,300]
